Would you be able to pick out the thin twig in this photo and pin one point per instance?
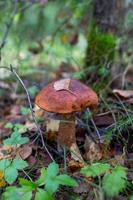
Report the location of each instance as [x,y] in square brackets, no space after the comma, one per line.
[30,105]
[95,127]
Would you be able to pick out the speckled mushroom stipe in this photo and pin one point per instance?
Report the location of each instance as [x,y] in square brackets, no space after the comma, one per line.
[64,101]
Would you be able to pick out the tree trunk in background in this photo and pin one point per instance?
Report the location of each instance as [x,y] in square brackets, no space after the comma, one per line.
[101,55]
[107,14]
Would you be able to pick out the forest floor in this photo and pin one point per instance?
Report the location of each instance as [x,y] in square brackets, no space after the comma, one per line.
[112,121]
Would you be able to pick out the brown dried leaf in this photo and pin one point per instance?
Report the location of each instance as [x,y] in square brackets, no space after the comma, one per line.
[75,153]
[93,152]
[117,160]
[31,161]
[124,93]
[24,151]
[62,84]
[75,165]
[83,187]
[5,152]
[105,120]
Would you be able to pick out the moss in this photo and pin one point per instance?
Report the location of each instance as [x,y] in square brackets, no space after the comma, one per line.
[101,48]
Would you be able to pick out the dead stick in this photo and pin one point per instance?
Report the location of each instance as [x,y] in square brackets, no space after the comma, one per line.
[30,105]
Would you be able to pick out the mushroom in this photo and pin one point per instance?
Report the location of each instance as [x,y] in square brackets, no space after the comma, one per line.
[66,97]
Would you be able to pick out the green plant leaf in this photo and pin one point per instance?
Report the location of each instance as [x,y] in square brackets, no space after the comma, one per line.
[16,138]
[25,195]
[19,163]
[33,91]
[131,197]
[18,127]
[24,110]
[10,174]
[42,177]
[64,179]
[115,182]
[14,193]
[29,184]
[23,140]
[9,125]
[43,195]
[95,169]
[11,193]
[4,164]
[51,185]
[53,169]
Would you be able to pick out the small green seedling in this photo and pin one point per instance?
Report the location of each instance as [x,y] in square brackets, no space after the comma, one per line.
[15,137]
[114,179]
[10,168]
[44,188]
[25,110]
[33,91]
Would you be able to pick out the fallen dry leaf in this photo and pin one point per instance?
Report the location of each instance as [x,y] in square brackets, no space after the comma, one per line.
[5,152]
[92,150]
[83,187]
[124,93]
[62,84]
[105,120]
[2,181]
[75,165]
[24,151]
[10,152]
[75,153]
[117,160]
[31,161]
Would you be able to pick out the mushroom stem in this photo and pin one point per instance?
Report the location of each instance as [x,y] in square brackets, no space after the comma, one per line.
[66,135]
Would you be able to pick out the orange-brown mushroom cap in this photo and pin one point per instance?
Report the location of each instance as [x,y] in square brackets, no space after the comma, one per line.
[78,97]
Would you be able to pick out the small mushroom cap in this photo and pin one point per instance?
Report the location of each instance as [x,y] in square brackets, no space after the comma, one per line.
[74,99]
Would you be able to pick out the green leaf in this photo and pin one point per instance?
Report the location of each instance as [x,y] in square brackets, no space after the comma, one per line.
[10,174]
[51,185]
[131,197]
[4,164]
[23,140]
[9,125]
[16,138]
[25,195]
[33,91]
[42,177]
[19,163]
[14,193]
[95,169]
[115,182]
[29,184]
[18,127]
[11,194]
[53,169]
[24,110]
[43,195]
[66,180]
